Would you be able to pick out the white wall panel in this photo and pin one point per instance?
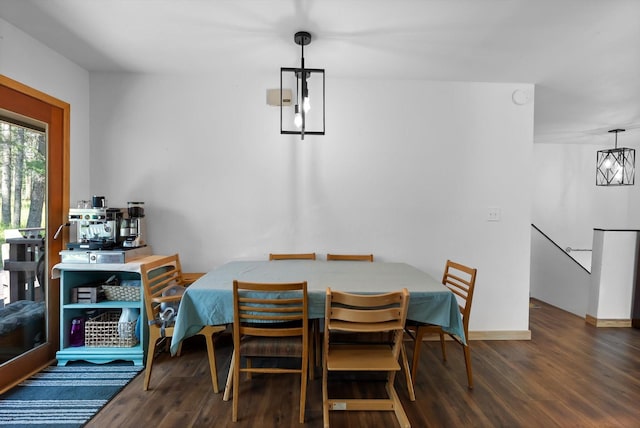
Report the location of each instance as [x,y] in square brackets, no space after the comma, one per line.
[26,60]
[407,170]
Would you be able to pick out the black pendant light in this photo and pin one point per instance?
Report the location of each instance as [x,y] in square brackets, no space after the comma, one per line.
[616,167]
[307,114]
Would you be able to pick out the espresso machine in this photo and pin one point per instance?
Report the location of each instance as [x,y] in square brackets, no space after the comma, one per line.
[105,235]
[94,228]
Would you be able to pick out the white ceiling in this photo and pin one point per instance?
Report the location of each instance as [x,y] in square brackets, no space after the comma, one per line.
[583,55]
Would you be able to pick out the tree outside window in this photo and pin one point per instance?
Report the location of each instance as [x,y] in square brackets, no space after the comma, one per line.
[22,184]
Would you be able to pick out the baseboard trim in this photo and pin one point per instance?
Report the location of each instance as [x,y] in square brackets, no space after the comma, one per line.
[490,335]
[500,335]
[600,322]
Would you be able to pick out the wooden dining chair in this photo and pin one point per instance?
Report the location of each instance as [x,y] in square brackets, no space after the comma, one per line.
[373,314]
[293,256]
[270,320]
[163,284]
[461,280]
[350,257]
[315,327]
[314,354]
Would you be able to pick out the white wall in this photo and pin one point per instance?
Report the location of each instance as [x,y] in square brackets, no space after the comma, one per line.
[567,204]
[407,170]
[28,61]
[614,274]
[556,278]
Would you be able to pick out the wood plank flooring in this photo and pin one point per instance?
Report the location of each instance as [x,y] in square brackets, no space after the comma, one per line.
[569,374]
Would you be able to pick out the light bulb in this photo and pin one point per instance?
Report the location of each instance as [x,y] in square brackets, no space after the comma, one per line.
[306,105]
[614,166]
[297,119]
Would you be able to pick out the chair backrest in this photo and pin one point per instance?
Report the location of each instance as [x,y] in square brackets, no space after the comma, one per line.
[270,309]
[461,280]
[157,278]
[293,256]
[351,257]
[367,313]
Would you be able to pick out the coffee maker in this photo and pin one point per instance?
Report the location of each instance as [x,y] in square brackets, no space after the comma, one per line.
[95,228]
[132,228]
[105,235]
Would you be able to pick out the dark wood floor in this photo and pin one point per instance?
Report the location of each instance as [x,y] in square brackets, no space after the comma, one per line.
[569,374]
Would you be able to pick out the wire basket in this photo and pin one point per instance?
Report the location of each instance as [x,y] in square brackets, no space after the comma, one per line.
[105,330]
[123,293]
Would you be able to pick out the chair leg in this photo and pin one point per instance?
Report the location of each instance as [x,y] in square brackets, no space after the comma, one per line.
[318,343]
[401,416]
[311,346]
[303,386]
[208,332]
[443,346]
[229,385]
[467,361]
[248,362]
[153,339]
[325,396]
[311,361]
[416,353]
[236,386]
[405,365]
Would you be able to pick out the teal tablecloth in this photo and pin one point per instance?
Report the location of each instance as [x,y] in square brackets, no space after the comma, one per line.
[209,300]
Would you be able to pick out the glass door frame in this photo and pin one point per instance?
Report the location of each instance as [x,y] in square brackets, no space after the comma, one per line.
[24,100]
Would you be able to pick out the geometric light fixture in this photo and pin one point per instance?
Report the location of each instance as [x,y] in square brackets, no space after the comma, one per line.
[306,114]
[616,167]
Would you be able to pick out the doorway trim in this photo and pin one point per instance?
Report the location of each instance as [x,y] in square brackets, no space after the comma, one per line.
[56,114]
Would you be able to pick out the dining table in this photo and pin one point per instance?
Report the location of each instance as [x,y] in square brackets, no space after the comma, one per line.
[209,300]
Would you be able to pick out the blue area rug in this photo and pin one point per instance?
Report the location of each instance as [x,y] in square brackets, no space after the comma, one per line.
[64,397]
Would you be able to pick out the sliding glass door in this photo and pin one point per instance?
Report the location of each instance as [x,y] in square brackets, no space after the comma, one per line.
[34,196]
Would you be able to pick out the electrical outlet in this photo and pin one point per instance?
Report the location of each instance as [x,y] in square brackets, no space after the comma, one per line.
[493,214]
